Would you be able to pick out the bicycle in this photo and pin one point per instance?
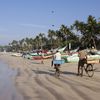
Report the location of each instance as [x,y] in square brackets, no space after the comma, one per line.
[57,70]
[57,64]
[88,69]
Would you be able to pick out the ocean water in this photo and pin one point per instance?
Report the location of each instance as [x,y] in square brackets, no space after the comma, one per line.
[8,89]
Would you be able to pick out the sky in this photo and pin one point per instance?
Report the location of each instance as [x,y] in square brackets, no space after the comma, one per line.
[27,18]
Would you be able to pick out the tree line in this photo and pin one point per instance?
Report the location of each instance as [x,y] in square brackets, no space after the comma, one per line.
[79,33]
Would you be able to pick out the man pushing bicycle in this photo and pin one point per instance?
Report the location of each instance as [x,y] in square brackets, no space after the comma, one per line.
[82,58]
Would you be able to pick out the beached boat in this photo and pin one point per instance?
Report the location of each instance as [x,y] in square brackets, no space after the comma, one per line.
[41,57]
[16,54]
[75,58]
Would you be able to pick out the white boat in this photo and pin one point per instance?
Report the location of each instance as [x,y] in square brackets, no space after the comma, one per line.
[16,54]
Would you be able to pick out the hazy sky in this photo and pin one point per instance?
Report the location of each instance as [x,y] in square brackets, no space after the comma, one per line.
[27,18]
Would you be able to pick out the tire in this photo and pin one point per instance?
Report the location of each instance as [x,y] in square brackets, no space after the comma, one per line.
[90,70]
[81,71]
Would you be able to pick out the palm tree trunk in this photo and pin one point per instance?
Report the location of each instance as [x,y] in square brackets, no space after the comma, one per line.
[94,43]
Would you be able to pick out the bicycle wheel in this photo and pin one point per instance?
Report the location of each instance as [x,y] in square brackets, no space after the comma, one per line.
[90,70]
[81,71]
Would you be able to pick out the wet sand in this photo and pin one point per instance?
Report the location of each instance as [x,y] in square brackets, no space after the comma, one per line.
[8,90]
[36,81]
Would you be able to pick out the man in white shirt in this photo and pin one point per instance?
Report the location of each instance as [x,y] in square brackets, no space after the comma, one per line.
[57,56]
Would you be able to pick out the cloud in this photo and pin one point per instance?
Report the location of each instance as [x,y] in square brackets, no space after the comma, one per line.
[33,25]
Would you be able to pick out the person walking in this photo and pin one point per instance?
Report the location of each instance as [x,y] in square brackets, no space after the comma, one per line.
[42,57]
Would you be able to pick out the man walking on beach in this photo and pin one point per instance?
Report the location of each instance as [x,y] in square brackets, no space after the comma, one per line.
[42,57]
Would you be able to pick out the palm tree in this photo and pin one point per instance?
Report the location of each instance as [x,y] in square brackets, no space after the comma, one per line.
[15,45]
[88,31]
[41,39]
[21,43]
[66,35]
[51,36]
[91,31]
[37,42]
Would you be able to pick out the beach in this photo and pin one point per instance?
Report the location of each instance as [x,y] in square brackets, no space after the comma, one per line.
[36,81]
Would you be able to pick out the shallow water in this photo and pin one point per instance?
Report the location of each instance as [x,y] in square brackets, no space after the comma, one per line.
[8,90]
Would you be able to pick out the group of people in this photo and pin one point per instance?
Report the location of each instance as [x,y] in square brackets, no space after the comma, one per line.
[82,54]
[82,58]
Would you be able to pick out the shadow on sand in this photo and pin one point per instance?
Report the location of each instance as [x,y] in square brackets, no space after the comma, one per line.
[43,72]
[36,62]
[66,72]
[69,73]
[52,72]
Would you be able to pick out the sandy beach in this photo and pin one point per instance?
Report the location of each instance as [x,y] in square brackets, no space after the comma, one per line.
[36,81]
